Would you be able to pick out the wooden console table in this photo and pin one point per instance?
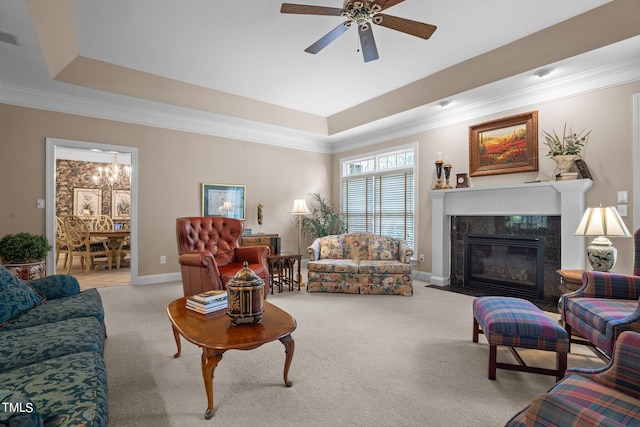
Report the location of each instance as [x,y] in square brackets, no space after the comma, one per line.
[259,239]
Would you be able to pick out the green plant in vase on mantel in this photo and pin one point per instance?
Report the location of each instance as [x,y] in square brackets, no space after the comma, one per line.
[24,254]
[564,151]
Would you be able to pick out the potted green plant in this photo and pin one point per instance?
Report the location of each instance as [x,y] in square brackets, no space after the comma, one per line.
[324,219]
[564,151]
[24,254]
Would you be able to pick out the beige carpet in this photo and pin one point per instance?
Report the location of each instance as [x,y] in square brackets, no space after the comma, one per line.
[359,361]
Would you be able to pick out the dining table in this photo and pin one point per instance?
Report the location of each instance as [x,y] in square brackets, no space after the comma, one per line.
[114,240]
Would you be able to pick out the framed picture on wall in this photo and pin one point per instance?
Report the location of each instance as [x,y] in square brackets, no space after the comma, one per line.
[120,204]
[508,145]
[87,201]
[223,200]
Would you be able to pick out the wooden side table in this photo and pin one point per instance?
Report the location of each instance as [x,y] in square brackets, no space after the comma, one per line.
[281,269]
[570,280]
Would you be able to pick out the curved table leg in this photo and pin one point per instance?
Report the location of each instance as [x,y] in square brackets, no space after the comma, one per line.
[289,348]
[176,335]
[210,359]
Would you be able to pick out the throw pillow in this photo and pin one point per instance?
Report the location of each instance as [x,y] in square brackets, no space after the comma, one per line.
[331,247]
[383,249]
[15,296]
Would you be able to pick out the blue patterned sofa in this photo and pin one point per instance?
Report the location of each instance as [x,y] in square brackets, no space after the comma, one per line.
[51,343]
[360,263]
[609,396]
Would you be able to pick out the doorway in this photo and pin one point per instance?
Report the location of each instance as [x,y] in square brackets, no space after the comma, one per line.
[57,149]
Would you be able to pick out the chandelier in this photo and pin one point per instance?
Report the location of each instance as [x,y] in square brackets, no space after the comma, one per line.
[361,13]
[112,175]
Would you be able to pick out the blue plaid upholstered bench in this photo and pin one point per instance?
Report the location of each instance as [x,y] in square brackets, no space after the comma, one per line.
[514,322]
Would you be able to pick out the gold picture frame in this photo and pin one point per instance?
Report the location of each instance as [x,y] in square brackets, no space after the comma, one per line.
[223,200]
[507,145]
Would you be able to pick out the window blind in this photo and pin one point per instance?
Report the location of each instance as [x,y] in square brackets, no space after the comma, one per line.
[381,204]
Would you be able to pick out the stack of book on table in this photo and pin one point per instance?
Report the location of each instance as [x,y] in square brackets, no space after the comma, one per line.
[208,302]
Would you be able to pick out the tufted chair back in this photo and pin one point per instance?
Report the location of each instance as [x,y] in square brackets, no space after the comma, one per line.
[209,253]
[219,236]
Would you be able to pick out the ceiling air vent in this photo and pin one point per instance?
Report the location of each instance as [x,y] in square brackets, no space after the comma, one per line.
[8,38]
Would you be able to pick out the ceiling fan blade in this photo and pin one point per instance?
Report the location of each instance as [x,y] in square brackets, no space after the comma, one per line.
[386,4]
[304,9]
[369,49]
[415,28]
[328,38]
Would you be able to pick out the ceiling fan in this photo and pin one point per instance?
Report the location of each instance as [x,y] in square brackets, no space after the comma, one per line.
[362,14]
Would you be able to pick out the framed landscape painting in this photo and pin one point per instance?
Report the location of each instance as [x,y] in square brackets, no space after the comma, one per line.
[223,200]
[508,145]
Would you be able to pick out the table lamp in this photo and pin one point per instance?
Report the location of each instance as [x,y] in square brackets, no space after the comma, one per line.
[602,222]
[300,208]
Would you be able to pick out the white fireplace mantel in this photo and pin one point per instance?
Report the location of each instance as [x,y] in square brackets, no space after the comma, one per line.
[564,198]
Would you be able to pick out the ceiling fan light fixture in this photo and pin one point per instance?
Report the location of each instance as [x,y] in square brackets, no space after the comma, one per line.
[362,13]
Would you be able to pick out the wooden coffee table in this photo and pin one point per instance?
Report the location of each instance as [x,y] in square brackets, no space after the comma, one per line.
[214,334]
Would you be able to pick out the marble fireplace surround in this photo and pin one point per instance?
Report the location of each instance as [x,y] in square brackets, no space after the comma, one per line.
[563,198]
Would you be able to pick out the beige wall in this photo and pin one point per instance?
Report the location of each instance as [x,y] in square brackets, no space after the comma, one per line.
[172,165]
[609,155]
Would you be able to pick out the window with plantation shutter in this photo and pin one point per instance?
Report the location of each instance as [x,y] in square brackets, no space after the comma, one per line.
[378,194]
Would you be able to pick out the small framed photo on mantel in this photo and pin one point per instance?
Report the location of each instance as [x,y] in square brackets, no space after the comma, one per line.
[583,169]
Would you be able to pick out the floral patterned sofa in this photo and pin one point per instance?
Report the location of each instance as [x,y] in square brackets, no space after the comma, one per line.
[51,343]
[360,263]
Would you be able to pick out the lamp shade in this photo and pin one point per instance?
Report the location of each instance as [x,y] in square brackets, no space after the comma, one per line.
[300,207]
[602,221]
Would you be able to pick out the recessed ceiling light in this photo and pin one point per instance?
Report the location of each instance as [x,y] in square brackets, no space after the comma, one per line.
[8,38]
[543,72]
[444,103]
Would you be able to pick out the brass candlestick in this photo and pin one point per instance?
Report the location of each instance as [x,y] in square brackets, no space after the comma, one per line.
[439,164]
[447,175]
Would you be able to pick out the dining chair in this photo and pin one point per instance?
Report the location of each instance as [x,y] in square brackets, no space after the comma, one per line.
[102,222]
[61,241]
[79,243]
[123,251]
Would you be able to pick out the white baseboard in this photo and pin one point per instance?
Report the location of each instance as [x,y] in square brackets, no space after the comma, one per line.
[423,276]
[159,278]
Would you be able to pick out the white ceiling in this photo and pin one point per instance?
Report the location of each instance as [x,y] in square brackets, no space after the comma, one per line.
[250,49]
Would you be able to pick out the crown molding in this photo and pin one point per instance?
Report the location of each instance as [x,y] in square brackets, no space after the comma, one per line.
[149,113]
[430,116]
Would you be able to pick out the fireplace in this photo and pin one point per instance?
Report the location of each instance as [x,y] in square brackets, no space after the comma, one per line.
[505,265]
[564,199]
[529,230]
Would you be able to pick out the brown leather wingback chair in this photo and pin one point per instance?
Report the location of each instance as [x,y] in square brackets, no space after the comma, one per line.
[210,253]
